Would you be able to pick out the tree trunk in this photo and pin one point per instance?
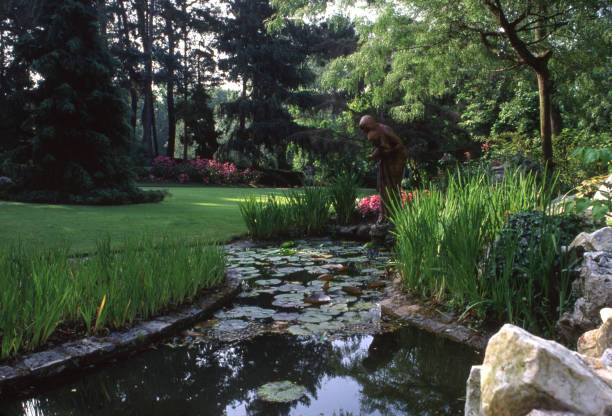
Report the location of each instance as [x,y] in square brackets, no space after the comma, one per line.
[544,89]
[134,104]
[556,122]
[144,12]
[154,130]
[170,90]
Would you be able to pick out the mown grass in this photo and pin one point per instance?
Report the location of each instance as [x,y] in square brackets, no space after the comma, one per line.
[44,287]
[189,212]
[445,249]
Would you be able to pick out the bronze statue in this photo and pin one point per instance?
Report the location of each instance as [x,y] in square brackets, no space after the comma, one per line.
[391,154]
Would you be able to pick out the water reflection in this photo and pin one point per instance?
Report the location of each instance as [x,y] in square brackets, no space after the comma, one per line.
[406,372]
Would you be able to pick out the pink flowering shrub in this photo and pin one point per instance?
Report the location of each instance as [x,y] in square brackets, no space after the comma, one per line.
[206,171]
[370,205]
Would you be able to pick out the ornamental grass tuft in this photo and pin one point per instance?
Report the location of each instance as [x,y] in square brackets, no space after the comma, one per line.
[43,288]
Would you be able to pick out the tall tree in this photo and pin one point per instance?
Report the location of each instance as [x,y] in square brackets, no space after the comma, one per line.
[449,35]
[268,67]
[79,151]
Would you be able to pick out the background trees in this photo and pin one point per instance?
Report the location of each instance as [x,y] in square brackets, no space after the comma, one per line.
[242,82]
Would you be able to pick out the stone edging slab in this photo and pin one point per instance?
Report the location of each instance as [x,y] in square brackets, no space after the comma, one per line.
[397,305]
[34,368]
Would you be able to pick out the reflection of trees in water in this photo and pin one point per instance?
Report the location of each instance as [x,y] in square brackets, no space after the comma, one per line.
[201,380]
[407,372]
[411,372]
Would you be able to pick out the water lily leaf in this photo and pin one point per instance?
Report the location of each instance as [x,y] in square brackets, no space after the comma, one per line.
[362,306]
[318,270]
[291,287]
[285,316]
[268,282]
[251,312]
[299,330]
[314,316]
[352,290]
[289,300]
[317,298]
[281,392]
[231,325]
[289,270]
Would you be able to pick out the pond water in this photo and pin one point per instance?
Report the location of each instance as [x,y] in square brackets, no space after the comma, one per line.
[309,315]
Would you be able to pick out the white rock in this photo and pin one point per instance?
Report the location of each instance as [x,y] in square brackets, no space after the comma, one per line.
[550,413]
[522,372]
[472,395]
[599,240]
[605,313]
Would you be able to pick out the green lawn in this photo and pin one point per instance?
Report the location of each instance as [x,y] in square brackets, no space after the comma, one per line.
[208,212]
[190,211]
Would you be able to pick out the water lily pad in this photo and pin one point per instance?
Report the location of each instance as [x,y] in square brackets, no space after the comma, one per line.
[289,270]
[268,282]
[230,325]
[318,270]
[289,300]
[363,306]
[352,290]
[299,330]
[314,316]
[323,326]
[373,271]
[285,316]
[291,287]
[281,392]
[334,309]
[317,298]
[251,312]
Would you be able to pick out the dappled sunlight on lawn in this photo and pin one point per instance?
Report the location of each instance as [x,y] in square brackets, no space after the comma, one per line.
[210,204]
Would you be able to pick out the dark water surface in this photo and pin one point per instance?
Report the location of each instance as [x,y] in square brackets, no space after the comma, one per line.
[405,372]
[348,359]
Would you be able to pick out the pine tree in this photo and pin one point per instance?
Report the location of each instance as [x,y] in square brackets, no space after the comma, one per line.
[82,132]
[269,67]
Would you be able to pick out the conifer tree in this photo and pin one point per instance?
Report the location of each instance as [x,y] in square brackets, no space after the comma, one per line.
[79,152]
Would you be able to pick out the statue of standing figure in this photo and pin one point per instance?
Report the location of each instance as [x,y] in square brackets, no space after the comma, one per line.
[391,154]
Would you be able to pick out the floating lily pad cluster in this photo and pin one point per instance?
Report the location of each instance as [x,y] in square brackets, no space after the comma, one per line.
[314,288]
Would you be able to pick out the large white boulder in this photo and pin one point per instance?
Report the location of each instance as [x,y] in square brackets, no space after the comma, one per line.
[522,372]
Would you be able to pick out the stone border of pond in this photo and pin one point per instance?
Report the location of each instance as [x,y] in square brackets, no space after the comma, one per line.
[398,305]
[36,368]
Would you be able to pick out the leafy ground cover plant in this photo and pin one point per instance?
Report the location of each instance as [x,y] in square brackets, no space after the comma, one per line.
[43,288]
[445,248]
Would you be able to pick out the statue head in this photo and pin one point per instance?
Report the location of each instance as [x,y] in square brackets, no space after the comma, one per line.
[367,123]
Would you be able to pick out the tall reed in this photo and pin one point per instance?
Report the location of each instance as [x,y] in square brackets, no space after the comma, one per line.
[343,195]
[41,288]
[443,243]
[273,216]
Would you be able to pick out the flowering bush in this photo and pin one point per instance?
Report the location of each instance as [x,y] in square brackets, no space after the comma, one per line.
[206,171]
[371,204]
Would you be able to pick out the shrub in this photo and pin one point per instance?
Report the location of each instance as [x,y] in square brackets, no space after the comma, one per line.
[198,170]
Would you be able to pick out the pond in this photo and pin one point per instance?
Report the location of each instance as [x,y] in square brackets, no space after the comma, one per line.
[308,315]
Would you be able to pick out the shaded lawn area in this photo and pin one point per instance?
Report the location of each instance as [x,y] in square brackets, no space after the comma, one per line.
[189,211]
[206,212]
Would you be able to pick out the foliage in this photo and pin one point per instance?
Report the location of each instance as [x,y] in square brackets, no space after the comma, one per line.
[305,211]
[310,209]
[43,288]
[442,245]
[199,123]
[79,152]
[207,171]
[343,194]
